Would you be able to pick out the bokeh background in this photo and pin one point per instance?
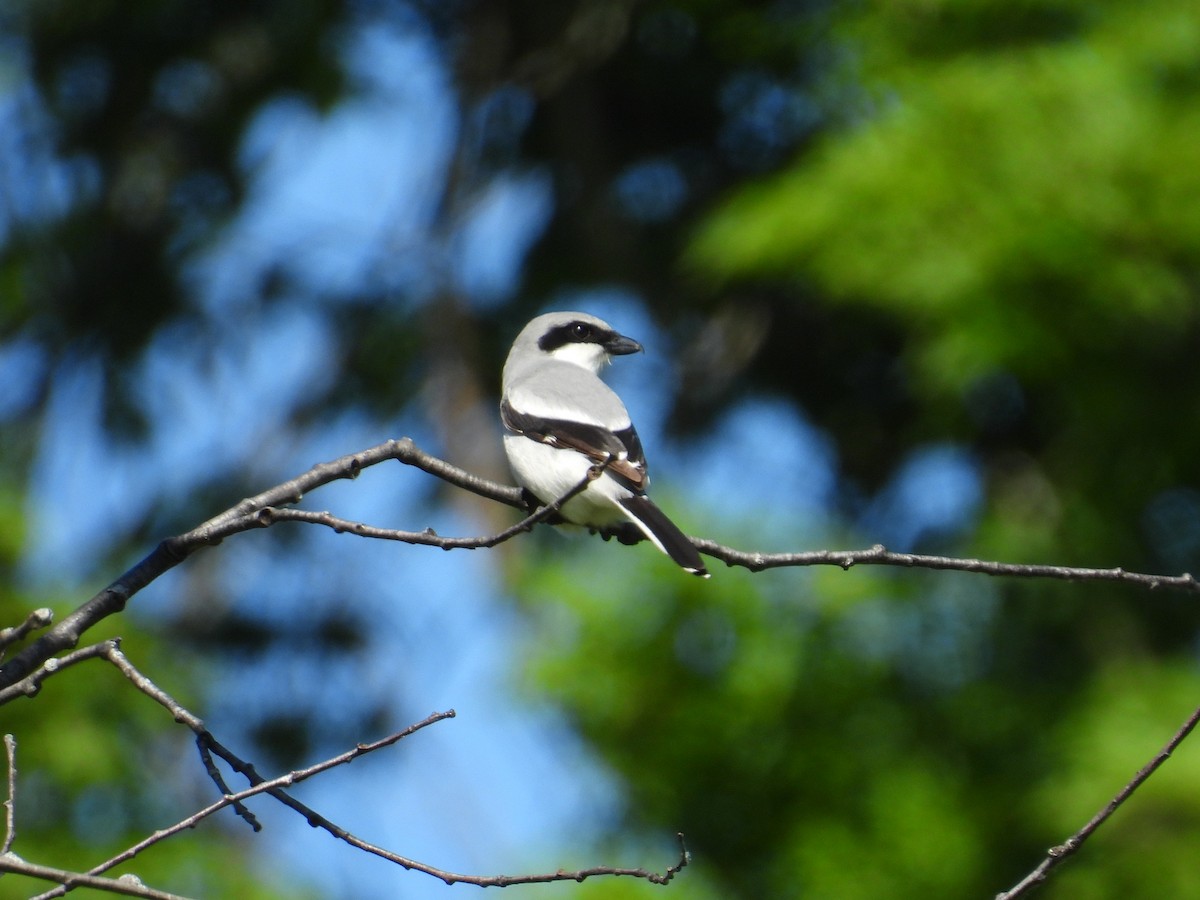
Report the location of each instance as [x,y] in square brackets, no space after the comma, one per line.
[924,273]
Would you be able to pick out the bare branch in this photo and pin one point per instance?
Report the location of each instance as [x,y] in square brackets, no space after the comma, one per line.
[210,768]
[114,655]
[490,490]
[39,618]
[1056,855]
[429,537]
[879,555]
[29,686]
[264,508]
[172,551]
[182,716]
[10,805]
[127,885]
[272,786]
[316,820]
[209,745]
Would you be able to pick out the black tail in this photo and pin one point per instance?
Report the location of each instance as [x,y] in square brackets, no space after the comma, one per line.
[664,533]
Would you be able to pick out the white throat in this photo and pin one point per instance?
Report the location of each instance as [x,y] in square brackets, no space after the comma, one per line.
[592,357]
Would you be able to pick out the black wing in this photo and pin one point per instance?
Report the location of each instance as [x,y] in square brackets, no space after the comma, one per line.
[621,449]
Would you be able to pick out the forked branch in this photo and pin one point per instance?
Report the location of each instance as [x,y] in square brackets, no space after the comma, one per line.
[209,746]
[273,505]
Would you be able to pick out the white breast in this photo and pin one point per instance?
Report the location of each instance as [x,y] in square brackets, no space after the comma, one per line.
[549,472]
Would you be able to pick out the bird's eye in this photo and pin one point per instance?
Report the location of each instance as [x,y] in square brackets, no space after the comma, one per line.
[581,330]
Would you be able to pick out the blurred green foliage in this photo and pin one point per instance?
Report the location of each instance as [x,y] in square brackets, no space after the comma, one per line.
[1025,212]
[1016,200]
[1018,210]
[807,747]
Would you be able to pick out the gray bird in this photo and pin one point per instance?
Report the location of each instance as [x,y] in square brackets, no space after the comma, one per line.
[562,419]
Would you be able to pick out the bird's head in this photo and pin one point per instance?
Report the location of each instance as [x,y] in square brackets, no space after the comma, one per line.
[572,337]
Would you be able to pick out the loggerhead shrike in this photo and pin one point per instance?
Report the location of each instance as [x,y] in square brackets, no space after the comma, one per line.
[562,419]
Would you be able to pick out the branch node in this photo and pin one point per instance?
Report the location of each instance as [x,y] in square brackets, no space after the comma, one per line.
[1066,848]
[38,619]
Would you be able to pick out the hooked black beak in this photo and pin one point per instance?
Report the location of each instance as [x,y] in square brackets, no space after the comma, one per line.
[619,345]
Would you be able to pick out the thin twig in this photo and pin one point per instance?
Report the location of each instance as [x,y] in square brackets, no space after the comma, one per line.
[39,618]
[171,552]
[263,786]
[214,773]
[317,820]
[878,555]
[32,684]
[275,788]
[428,537]
[241,517]
[127,885]
[1055,855]
[10,805]
[115,656]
